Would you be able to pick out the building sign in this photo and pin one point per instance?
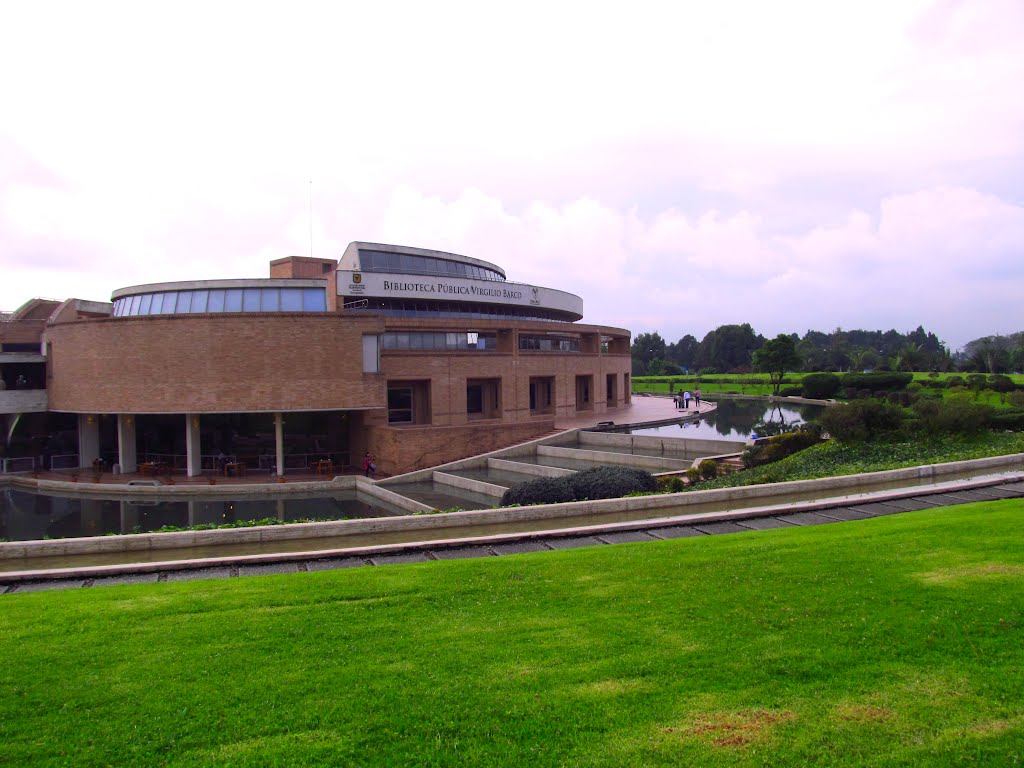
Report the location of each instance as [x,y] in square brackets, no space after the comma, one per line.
[386,285]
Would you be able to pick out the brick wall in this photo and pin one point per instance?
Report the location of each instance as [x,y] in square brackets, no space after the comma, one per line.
[212,363]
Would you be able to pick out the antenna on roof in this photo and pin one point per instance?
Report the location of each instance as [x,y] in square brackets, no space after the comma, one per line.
[310,218]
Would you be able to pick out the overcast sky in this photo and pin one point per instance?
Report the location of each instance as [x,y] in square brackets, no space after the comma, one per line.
[679,165]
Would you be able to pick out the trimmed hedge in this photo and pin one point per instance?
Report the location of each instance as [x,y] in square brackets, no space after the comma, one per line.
[877,381]
[780,446]
[543,490]
[604,482]
[609,482]
[820,386]
[861,419]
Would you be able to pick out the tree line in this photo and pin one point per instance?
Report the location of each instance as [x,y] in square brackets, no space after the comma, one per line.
[732,349]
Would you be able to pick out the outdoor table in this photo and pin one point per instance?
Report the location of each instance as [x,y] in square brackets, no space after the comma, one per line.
[236,468]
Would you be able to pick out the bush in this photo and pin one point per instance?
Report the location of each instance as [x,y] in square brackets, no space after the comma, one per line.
[781,446]
[954,416]
[1016,399]
[609,482]
[999,382]
[1010,420]
[693,475]
[820,386]
[791,391]
[708,469]
[543,490]
[878,381]
[955,381]
[861,419]
[672,484]
[976,381]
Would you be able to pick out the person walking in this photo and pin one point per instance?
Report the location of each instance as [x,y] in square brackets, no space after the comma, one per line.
[369,465]
[686,400]
[696,397]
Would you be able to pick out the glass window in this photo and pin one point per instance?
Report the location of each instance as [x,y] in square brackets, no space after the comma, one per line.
[216,301]
[134,306]
[145,304]
[314,300]
[233,300]
[400,405]
[291,299]
[199,299]
[270,299]
[250,299]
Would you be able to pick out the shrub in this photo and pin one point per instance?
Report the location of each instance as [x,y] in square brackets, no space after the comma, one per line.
[877,381]
[672,484]
[955,381]
[1010,420]
[708,469]
[693,475]
[956,415]
[976,381]
[820,386]
[610,482]
[781,446]
[791,391]
[543,490]
[861,419]
[1016,399]
[999,382]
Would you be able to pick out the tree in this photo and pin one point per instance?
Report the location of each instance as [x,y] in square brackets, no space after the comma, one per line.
[728,348]
[684,351]
[775,357]
[646,348]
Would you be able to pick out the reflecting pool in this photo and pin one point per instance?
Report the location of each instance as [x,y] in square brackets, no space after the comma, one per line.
[737,420]
[29,516]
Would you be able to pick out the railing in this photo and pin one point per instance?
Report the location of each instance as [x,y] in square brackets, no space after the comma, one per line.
[18,464]
[64,461]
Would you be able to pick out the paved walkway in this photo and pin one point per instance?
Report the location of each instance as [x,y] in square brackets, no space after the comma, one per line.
[814,513]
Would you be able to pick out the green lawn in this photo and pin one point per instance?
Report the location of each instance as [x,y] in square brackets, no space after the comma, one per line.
[834,458]
[891,641]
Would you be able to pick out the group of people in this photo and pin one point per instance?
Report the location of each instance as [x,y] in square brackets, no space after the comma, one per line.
[683,399]
[20,383]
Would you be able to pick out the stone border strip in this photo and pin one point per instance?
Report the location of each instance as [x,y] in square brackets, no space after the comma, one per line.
[713,523]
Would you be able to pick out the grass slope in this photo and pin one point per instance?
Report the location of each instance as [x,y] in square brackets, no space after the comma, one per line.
[834,458]
[891,641]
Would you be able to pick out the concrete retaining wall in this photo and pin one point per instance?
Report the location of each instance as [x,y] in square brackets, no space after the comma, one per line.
[521,467]
[667,445]
[598,458]
[675,503]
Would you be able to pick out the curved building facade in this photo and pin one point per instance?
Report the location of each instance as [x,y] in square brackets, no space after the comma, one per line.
[415,356]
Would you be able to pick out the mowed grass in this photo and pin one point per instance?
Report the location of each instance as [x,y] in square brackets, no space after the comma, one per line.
[890,641]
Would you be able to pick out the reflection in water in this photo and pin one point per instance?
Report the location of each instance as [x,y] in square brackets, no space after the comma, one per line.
[737,419]
[28,516]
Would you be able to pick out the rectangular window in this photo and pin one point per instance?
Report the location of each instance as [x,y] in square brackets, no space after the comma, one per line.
[371,354]
[134,308]
[314,300]
[270,300]
[291,300]
[483,398]
[199,299]
[233,300]
[250,299]
[216,301]
[147,302]
[400,405]
[542,394]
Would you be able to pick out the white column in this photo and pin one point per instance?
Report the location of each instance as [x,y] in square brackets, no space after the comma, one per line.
[193,449]
[88,439]
[279,440]
[126,443]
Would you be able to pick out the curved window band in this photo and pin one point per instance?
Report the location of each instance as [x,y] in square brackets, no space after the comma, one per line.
[213,300]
